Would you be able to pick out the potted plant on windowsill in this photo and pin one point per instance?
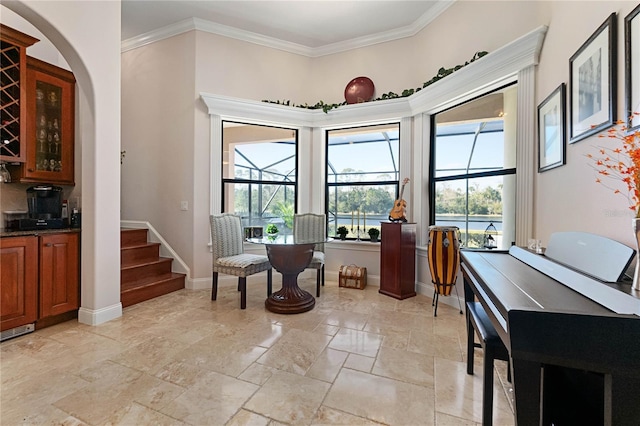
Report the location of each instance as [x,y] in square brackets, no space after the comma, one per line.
[342,231]
[272,229]
[374,233]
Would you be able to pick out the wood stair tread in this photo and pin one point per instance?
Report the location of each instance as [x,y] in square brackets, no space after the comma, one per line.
[144,274]
[139,245]
[151,290]
[136,264]
[144,282]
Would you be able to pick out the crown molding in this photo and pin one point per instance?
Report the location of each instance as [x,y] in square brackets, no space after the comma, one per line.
[250,37]
[298,49]
[491,71]
[257,112]
[385,36]
[496,69]
[157,35]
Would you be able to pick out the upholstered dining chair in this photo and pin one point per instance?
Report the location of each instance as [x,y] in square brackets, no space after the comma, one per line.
[229,256]
[313,226]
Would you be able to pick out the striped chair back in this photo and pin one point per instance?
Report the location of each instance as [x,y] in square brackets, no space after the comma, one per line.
[310,226]
[226,235]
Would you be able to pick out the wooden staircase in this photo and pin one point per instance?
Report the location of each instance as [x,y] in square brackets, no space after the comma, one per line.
[143,273]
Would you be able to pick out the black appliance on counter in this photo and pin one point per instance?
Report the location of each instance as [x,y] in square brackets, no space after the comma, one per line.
[44,203]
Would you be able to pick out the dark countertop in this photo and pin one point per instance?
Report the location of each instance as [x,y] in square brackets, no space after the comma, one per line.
[5,233]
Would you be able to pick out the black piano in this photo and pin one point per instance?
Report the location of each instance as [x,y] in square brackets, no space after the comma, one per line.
[571,326]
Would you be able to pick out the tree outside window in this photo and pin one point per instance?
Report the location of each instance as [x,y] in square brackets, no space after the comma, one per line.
[473,168]
[362,177]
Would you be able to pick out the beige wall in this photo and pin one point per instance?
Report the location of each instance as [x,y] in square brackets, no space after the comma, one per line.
[165,127]
[565,198]
[157,135]
[87,35]
[452,39]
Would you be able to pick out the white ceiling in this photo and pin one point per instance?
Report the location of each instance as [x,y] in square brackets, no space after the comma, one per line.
[311,24]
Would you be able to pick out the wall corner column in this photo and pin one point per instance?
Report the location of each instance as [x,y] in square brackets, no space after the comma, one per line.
[526,151]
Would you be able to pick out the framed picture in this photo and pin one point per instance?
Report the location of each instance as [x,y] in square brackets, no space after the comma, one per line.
[592,80]
[632,68]
[551,131]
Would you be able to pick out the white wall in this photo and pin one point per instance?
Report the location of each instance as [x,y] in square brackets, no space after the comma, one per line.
[87,34]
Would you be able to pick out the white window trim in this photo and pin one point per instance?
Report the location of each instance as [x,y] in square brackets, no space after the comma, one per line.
[513,62]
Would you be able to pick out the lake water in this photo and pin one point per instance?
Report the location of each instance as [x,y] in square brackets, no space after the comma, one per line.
[478,223]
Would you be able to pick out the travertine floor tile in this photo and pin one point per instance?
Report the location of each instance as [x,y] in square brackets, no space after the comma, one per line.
[359,362]
[381,399]
[327,365]
[459,394]
[437,345]
[247,418]
[37,413]
[150,355]
[212,400]
[358,358]
[103,399]
[359,342]
[345,319]
[137,414]
[257,373]
[226,356]
[296,351]
[406,366]
[447,420]
[47,387]
[328,416]
[289,398]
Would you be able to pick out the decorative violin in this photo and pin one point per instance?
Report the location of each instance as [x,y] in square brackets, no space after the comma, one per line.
[397,213]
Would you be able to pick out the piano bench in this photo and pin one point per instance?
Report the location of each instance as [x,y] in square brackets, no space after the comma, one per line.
[478,322]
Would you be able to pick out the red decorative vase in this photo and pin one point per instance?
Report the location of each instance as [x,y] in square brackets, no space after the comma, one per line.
[359,90]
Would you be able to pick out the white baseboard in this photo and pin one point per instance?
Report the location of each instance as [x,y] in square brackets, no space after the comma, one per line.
[455,300]
[223,281]
[334,276]
[99,316]
[199,283]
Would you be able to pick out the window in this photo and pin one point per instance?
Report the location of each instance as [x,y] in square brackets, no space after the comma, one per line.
[362,177]
[473,169]
[259,174]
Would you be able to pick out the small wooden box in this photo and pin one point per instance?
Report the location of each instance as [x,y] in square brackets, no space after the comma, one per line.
[352,276]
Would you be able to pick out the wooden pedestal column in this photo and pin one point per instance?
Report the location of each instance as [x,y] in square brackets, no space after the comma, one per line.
[398,260]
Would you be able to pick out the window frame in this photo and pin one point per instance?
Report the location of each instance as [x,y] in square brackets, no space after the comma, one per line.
[225,181]
[328,185]
[433,180]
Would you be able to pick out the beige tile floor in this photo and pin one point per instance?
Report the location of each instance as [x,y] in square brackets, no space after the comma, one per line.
[358,358]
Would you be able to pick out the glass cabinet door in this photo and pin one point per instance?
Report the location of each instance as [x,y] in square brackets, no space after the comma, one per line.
[50,134]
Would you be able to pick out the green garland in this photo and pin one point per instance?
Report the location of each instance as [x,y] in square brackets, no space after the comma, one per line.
[442,73]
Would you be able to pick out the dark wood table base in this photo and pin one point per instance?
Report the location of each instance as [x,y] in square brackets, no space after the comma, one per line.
[290,260]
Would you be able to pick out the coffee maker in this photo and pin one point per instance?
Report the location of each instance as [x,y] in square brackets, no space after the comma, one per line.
[44,203]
